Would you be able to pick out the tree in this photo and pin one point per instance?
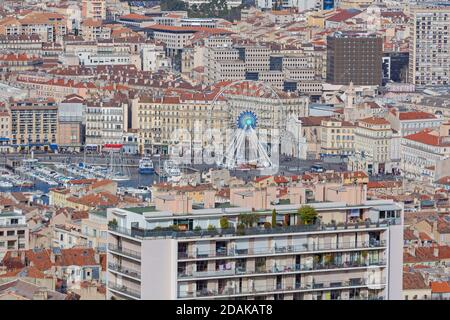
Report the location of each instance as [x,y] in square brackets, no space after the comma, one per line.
[224,223]
[248,219]
[211,228]
[274,217]
[174,5]
[307,214]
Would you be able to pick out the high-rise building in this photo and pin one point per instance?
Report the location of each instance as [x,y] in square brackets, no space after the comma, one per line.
[429,57]
[354,57]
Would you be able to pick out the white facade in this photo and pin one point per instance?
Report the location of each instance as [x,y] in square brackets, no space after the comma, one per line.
[96,59]
[324,263]
[153,58]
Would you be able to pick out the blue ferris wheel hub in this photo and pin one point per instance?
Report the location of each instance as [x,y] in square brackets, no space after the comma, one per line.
[247,120]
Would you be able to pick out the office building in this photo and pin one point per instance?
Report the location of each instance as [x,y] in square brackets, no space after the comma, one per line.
[354,57]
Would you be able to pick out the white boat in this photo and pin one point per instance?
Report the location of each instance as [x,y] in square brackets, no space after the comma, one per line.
[6,184]
[146,166]
[171,169]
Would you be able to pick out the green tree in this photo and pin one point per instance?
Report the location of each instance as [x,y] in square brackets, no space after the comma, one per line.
[274,218]
[248,219]
[307,214]
[174,5]
[224,223]
[211,228]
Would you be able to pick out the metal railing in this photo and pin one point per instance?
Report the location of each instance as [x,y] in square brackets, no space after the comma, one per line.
[311,286]
[223,252]
[280,269]
[5,226]
[140,233]
[124,289]
[126,252]
[127,271]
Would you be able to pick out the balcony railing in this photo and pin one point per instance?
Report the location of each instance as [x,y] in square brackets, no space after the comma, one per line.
[140,233]
[124,270]
[223,252]
[124,289]
[4,226]
[123,251]
[280,269]
[311,286]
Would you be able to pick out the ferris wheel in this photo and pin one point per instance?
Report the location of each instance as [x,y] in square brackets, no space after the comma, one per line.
[249,119]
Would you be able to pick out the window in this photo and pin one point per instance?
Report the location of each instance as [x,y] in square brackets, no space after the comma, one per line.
[10,233]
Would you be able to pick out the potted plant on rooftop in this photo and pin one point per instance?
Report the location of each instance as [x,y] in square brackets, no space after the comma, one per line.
[307,215]
[274,218]
[112,224]
[224,223]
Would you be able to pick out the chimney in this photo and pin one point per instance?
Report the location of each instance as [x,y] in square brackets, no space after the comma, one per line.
[412,251]
[436,251]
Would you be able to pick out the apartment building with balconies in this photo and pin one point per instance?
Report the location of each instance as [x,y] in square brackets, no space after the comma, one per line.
[13,232]
[34,123]
[429,49]
[336,257]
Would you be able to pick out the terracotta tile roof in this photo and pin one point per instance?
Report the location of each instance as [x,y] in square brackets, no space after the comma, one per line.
[224,193]
[77,257]
[428,137]
[375,121]
[39,259]
[261,178]
[78,215]
[409,235]
[440,287]
[343,15]
[92,23]
[280,179]
[313,121]
[414,280]
[424,237]
[29,272]
[416,115]
[444,180]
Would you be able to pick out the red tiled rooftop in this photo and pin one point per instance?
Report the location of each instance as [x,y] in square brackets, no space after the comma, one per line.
[428,137]
[416,115]
[440,287]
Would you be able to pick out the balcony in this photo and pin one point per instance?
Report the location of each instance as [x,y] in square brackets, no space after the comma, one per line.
[125,252]
[305,248]
[124,290]
[279,269]
[4,226]
[125,271]
[140,233]
[298,287]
